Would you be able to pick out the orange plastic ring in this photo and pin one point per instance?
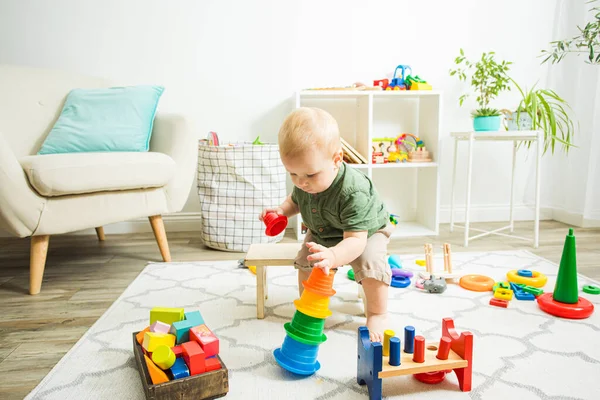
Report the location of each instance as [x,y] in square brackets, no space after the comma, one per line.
[477,283]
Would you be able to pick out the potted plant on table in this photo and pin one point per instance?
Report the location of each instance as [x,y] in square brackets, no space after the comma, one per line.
[488,79]
[545,110]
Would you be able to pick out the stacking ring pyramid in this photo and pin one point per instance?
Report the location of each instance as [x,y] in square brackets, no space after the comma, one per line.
[304,334]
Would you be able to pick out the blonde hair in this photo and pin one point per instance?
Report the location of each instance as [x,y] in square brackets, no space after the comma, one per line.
[307,129]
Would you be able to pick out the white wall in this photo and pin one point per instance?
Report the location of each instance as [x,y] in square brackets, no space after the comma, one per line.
[234,65]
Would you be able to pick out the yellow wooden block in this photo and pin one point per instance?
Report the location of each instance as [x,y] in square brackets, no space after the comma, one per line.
[153,340]
[166,315]
[504,294]
[422,263]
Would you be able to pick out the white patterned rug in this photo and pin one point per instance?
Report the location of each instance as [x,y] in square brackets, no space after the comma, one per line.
[519,352]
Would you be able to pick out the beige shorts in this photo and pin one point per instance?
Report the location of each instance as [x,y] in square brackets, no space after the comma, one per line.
[372,263]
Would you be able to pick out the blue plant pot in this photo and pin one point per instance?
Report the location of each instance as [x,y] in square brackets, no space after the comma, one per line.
[487,123]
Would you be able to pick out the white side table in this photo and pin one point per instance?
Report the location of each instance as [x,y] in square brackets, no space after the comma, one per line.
[515,137]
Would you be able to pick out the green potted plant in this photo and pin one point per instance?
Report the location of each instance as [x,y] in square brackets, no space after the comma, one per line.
[543,109]
[488,78]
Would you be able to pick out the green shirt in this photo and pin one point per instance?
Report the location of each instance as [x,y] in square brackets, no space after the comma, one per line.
[351,203]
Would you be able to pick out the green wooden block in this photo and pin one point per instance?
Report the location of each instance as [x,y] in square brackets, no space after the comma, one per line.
[166,315]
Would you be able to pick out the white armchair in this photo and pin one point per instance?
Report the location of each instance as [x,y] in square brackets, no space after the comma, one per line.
[59,193]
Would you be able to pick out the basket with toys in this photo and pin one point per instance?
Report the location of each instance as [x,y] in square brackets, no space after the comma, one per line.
[177,356]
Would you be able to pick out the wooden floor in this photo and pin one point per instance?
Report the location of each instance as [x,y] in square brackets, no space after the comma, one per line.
[83,277]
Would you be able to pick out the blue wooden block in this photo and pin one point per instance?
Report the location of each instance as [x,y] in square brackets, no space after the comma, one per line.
[194,317]
[369,363]
[180,369]
[520,294]
[181,329]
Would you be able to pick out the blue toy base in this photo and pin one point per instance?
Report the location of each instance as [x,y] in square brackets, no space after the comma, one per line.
[295,367]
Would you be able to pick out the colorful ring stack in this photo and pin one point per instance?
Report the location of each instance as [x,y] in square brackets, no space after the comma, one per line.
[304,334]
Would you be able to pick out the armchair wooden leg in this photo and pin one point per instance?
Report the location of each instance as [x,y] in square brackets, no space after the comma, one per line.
[158,228]
[100,233]
[37,262]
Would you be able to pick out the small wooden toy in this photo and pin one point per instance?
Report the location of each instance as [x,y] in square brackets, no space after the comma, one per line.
[163,357]
[448,273]
[373,366]
[140,336]
[153,340]
[160,327]
[166,315]
[194,357]
[419,155]
[206,377]
[207,340]
[180,369]
[156,374]
[387,335]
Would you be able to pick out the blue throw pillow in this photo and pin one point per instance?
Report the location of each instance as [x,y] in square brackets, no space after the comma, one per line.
[111,119]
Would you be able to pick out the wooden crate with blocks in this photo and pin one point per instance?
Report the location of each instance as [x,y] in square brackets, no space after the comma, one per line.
[208,385]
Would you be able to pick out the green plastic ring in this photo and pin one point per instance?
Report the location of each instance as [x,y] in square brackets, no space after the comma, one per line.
[351,274]
[590,289]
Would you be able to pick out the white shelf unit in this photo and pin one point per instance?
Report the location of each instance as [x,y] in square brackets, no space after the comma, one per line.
[410,190]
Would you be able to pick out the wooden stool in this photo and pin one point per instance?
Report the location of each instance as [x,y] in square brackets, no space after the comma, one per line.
[263,255]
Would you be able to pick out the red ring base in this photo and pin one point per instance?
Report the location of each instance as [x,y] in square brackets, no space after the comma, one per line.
[582,309]
[431,378]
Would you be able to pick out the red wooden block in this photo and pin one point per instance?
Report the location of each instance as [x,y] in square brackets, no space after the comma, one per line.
[207,340]
[178,350]
[194,357]
[212,364]
[498,302]
[463,346]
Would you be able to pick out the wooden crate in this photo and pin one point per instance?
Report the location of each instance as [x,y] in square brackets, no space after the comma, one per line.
[210,385]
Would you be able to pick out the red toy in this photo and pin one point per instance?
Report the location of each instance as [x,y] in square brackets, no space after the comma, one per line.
[194,357]
[275,223]
[498,302]
[178,351]
[207,340]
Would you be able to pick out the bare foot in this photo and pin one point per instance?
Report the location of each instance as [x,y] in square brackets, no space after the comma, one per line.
[377,323]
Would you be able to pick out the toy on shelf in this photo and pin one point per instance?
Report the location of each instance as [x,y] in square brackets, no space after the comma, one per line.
[184,362]
[427,362]
[399,82]
[304,334]
[565,301]
[403,148]
[416,83]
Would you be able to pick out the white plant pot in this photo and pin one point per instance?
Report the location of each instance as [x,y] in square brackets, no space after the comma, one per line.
[524,122]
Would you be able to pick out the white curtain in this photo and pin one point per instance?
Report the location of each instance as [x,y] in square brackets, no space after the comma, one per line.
[575,179]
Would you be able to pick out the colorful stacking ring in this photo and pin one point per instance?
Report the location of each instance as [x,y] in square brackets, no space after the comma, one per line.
[590,289]
[400,281]
[477,283]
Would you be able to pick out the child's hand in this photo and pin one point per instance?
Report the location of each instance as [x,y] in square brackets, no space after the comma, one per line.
[264,212]
[325,256]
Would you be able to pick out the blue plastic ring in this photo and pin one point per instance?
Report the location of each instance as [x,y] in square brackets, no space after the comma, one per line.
[525,272]
[400,281]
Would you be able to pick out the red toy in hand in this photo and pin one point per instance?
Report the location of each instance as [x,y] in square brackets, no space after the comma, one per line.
[275,223]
